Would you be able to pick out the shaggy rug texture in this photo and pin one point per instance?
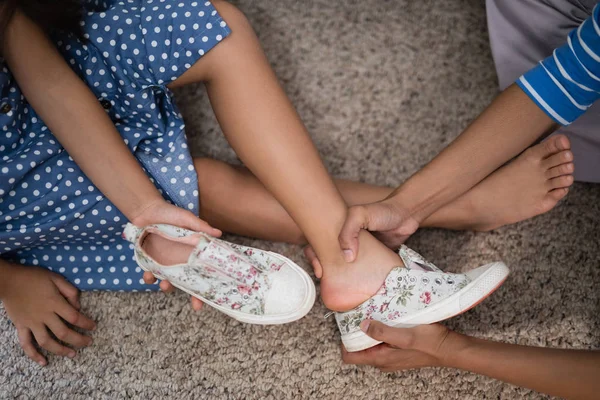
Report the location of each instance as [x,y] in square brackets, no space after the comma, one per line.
[383,86]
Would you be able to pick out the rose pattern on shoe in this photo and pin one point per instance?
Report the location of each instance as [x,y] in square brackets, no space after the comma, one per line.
[230,275]
[417,285]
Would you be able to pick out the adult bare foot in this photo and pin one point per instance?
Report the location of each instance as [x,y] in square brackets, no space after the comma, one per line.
[530,185]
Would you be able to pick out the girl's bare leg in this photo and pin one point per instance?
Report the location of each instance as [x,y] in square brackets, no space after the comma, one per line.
[265,131]
[267,134]
[235,201]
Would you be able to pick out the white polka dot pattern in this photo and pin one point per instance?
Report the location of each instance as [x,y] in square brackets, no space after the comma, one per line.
[51,215]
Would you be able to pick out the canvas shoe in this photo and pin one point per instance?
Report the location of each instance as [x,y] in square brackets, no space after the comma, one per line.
[250,285]
[419,294]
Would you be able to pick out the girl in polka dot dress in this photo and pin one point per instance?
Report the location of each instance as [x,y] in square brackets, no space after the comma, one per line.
[91,139]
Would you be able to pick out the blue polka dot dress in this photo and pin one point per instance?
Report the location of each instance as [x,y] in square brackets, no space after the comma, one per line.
[51,214]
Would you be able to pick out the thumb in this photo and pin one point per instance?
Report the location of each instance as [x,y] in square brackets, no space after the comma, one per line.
[396,337]
[357,220]
[380,216]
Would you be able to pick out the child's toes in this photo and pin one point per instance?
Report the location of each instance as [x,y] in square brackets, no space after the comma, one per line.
[560,170]
[560,182]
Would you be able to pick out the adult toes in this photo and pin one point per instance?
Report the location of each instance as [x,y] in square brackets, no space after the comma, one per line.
[549,147]
[557,194]
[552,198]
[560,142]
[555,144]
[557,159]
[560,170]
[560,182]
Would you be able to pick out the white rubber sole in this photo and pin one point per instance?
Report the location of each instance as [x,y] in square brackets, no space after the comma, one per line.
[468,297]
[275,319]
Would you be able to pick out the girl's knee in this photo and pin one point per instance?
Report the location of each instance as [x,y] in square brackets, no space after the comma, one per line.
[237,43]
[232,15]
[242,36]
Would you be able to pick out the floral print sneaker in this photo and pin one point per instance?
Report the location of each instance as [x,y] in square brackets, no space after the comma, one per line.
[419,294]
[250,285]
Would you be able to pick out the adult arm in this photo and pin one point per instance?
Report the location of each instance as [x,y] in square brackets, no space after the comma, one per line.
[554,93]
[573,374]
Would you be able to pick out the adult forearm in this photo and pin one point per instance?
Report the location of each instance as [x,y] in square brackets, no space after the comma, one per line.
[75,117]
[573,374]
[510,124]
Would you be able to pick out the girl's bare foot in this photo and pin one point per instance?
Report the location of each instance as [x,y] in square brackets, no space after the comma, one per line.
[345,285]
[530,185]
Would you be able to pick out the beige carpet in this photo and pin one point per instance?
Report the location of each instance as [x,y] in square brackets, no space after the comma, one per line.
[383,86]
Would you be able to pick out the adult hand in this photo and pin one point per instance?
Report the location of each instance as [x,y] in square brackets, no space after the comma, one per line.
[387,219]
[162,212]
[403,348]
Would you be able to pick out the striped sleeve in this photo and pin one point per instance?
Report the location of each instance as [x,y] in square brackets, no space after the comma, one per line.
[567,83]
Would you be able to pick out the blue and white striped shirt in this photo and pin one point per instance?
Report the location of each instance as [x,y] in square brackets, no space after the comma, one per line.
[566,84]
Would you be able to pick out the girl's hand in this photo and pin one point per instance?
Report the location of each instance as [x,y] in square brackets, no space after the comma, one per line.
[166,287]
[38,302]
[163,212]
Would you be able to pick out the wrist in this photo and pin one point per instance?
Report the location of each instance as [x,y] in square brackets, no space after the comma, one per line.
[416,204]
[6,272]
[139,215]
[454,350]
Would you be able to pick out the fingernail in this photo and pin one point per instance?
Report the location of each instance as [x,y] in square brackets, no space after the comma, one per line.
[71,354]
[364,326]
[42,363]
[348,255]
